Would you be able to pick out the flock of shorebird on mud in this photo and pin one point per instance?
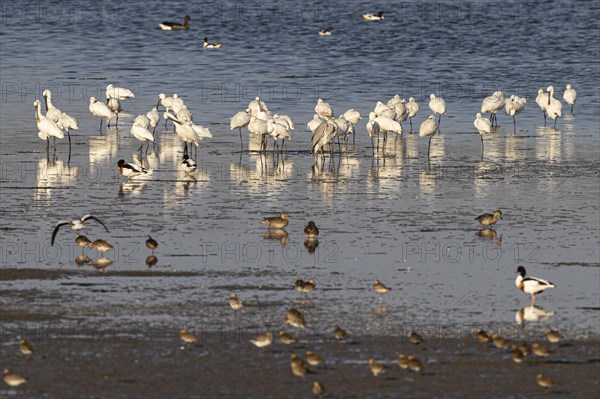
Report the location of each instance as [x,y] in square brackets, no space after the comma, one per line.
[386,118]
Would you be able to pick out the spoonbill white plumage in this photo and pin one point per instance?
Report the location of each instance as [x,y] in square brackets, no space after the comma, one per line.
[280,118]
[114,105]
[177,104]
[428,129]
[119,93]
[257,105]
[47,127]
[352,116]
[492,104]
[314,123]
[154,117]
[52,112]
[184,130]
[278,132]
[238,121]
[483,126]
[373,129]
[344,127]
[139,131]
[386,125]
[100,110]
[413,108]
[554,108]
[514,106]
[323,109]
[542,102]
[570,96]
[259,127]
[67,122]
[438,106]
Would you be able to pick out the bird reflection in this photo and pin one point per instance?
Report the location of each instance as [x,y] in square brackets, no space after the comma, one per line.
[100,263]
[311,244]
[82,260]
[151,261]
[130,188]
[532,314]
[52,173]
[277,234]
[490,234]
[381,309]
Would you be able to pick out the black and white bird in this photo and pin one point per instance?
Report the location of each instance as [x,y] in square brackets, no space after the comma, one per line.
[130,169]
[176,25]
[531,285]
[77,224]
[188,164]
[211,45]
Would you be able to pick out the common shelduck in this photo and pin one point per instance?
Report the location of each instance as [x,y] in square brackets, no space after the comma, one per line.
[130,169]
[176,25]
[374,17]
[531,285]
[211,45]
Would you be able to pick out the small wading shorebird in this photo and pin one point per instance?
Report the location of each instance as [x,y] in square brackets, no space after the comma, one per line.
[77,224]
[531,285]
[339,333]
[25,347]
[298,366]
[234,302]
[294,318]
[488,220]
[376,368]
[176,25]
[263,340]
[415,338]
[380,16]
[187,336]
[318,389]
[13,379]
[151,243]
[100,245]
[544,381]
[552,336]
[277,222]
[380,289]
[82,241]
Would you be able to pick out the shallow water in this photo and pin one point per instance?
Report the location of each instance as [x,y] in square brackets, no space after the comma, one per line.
[391,216]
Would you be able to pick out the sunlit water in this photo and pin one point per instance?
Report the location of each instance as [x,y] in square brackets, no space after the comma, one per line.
[391,216]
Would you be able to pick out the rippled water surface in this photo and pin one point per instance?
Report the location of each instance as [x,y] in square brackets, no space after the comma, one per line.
[390,215]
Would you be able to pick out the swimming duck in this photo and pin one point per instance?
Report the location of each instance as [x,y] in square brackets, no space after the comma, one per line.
[488,219]
[374,17]
[277,222]
[175,25]
[325,32]
[531,285]
[311,230]
[151,243]
[211,45]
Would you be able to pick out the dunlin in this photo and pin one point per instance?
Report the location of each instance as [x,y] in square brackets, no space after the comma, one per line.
[482,336]
[339,333]
[540,351]
[82,260]
[299,367]
[318,389]
[415,338]
[552,336]
[286,338]
[187,336]
[517,355]
[25,347]
[263,340]
[525,348]
[234,302]
[380,288]
[376,368]
[13,379]
[100,245]
[414,364]
[403,361]
[82,241]
[313,359]
[544,381]
[500,342]
[294,318]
